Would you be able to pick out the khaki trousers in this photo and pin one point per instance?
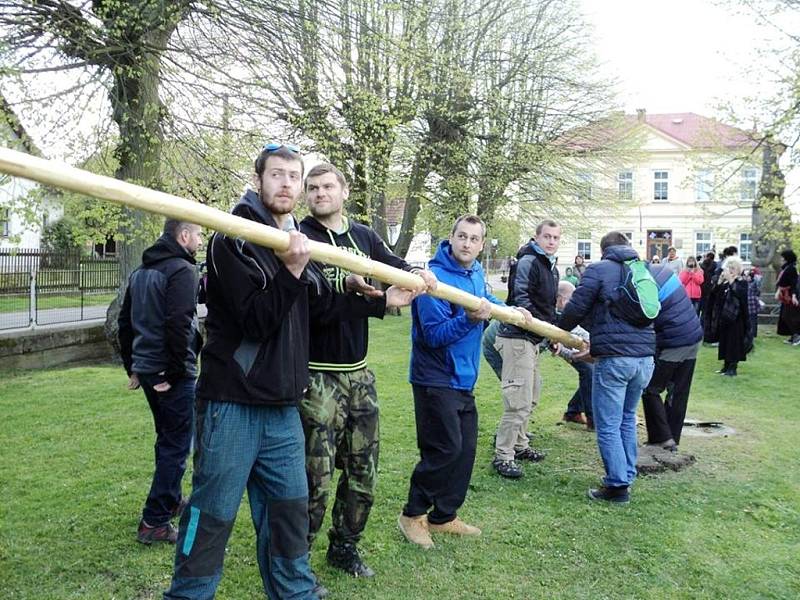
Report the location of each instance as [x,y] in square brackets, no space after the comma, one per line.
[521,386]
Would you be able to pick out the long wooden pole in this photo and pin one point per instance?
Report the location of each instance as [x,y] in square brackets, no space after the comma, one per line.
[57,174]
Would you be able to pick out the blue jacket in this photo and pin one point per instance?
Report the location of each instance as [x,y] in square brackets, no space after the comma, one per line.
[445,344]
[677,323]
[611,336]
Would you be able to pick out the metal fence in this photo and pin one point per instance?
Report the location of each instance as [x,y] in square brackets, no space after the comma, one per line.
[38,287]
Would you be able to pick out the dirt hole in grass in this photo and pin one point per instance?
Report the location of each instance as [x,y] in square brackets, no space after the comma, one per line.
[698,428]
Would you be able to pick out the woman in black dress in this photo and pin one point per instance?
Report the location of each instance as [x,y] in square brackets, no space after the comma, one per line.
[786,294]
[735,337]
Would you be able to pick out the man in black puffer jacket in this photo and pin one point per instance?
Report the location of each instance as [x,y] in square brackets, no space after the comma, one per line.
[159,343]
[532,285]
[678,339]
[623,356]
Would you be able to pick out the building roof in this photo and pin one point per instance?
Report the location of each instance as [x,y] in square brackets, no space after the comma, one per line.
[10,118]
[696,130]
[690,129]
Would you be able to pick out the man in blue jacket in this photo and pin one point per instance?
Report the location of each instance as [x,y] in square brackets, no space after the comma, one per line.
[445,355]
[678,339]
[159,343]
[623,356]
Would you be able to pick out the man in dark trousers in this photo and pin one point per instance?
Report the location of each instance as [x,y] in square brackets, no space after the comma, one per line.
[159,343]
[445,356]
[679,336]
[254,370]
[340,409]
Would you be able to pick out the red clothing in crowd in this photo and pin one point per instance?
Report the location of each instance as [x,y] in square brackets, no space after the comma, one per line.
[692,281]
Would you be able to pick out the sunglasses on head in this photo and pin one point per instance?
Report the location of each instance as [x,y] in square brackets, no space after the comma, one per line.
[273,146]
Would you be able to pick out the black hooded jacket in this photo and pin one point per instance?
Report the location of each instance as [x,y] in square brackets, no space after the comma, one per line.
[158,320]
[258,318]
[532,285]
[342,345]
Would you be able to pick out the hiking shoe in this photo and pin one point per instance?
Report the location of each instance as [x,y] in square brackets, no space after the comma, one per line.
[507,468]
[415,530]
[163,533]
[320,591]
[456,527]
[796,341]
[529,454]
[347,558]
[615,495]
[573,418]
[178,510]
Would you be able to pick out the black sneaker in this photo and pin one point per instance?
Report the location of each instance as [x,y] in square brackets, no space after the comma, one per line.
[162,533]
[178,510]
[529,454]
[347,558]
[507,468]
[617,495]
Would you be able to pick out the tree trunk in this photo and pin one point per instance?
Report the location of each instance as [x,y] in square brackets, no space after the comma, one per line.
[771,218]
[138,112]
[414,194]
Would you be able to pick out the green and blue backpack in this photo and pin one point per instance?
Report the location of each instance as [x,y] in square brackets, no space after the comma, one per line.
[635,299]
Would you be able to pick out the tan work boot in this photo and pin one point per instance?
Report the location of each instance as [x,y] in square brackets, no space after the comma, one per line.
[456,527]
[416,530]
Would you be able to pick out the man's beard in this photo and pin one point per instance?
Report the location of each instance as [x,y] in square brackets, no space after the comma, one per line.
[275,208]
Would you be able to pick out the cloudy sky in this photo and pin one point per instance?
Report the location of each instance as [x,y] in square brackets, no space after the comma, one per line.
[686,56]
[676,56]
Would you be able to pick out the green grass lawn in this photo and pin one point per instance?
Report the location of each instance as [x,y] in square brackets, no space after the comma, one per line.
[20,302]
[76,456]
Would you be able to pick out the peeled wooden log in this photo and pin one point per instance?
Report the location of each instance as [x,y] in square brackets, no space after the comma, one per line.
[60,175]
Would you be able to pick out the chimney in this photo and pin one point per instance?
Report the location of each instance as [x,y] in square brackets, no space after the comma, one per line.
[641,115]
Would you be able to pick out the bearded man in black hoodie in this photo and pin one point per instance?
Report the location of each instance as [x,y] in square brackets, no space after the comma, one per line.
[254,370]
[159,343]
[340,408]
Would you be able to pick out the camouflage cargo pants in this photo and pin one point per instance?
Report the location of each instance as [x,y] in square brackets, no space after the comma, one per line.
[340,422]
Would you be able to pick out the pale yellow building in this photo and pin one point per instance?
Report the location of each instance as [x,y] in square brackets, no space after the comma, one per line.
[689,182]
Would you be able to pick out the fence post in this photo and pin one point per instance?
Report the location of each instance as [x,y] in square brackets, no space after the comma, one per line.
[32,309]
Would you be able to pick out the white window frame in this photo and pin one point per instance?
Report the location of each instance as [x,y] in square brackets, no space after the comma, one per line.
[5,222]
[585,182]
[660,185]
[746,241]
[583,247]
[703,186]
[703,246]
[749,184]
[625,185]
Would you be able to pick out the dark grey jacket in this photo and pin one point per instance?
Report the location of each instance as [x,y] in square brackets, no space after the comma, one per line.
[158,320]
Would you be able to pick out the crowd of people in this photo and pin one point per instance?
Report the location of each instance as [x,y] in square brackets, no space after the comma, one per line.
[284,396]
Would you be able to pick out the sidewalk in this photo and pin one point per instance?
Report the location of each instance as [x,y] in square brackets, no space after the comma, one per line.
[15,321]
